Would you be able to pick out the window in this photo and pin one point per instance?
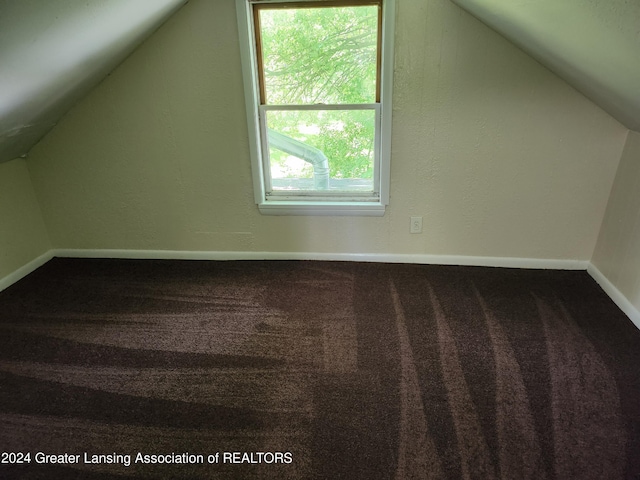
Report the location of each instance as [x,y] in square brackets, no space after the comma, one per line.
[317,78]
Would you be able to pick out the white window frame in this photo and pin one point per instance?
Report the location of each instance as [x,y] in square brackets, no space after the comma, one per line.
[325,204]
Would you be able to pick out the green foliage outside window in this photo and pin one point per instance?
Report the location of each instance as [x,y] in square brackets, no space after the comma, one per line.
[323,55]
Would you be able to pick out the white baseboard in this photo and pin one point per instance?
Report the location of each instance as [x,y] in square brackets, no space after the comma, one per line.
[25,270]
[505,262]
[623,303]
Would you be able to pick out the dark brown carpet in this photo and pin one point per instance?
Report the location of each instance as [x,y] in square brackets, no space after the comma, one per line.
[348,370]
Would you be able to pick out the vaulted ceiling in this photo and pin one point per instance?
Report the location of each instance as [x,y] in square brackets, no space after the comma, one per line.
[52,52]
[593,44]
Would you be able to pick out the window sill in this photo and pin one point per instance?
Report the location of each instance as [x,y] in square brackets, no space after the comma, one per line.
[355,209]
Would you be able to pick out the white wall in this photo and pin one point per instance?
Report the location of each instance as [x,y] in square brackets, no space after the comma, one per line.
[23,237]
[500,156]
[617,254]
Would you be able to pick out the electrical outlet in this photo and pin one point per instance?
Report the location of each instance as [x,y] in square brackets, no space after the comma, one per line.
[416,225]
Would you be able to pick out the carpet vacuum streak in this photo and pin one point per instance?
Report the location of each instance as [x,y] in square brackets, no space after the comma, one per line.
[314,370]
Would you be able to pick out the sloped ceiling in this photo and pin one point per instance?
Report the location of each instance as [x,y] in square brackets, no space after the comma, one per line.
[52,52]
[593,44]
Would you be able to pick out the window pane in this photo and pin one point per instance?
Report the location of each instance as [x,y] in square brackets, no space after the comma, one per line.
[319,55]
[321,149]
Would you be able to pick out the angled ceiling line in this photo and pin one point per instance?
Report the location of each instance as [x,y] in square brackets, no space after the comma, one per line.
[53,53]
[593,45]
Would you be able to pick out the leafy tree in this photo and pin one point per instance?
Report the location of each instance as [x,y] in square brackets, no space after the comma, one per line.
[323,55]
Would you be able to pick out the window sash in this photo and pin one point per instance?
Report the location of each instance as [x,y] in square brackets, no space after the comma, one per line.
[259,5]
[342,195]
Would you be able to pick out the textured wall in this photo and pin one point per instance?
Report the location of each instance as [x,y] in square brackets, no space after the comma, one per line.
[23,236]
[498,155]
[617,253]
